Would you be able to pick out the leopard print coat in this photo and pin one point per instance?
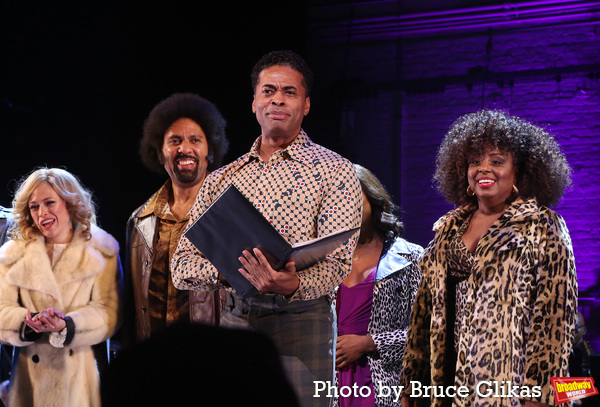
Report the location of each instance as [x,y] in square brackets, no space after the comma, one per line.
[518,324]
[396,284]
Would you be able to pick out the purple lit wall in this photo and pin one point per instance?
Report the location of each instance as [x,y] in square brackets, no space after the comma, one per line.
[396,79]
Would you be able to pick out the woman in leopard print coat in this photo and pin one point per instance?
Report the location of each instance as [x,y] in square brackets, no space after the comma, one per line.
[495,311]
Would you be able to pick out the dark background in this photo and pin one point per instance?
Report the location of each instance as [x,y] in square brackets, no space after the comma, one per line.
[77,80]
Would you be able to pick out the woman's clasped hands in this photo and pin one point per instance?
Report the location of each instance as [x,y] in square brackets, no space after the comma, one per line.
[48,320]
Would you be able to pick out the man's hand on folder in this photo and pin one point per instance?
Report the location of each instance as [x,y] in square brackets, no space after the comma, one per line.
[262,276]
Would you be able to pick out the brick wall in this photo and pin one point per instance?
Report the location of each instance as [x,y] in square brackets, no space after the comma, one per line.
[396,95]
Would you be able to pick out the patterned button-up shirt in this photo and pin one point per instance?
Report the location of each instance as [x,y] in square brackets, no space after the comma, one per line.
[305,191]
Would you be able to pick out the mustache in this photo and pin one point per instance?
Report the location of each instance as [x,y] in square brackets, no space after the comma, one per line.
[180,156]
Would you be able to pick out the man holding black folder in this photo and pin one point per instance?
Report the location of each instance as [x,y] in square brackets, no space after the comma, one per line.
[305,191]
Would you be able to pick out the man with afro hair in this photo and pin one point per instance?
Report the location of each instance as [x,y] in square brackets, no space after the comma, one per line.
[184,136]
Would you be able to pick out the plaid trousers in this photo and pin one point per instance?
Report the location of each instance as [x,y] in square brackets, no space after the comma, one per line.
[303,333]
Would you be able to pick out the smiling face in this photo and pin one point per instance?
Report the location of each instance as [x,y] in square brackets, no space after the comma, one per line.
[280,102]
[492,176]
[50,215]
[184,151]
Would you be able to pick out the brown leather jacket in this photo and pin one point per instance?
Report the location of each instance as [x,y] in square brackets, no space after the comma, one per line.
[205,306]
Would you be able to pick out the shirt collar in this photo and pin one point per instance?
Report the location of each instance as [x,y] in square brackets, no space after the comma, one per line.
[301,150]
[158,205]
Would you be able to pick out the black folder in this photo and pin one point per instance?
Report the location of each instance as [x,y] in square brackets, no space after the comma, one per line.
[232,224]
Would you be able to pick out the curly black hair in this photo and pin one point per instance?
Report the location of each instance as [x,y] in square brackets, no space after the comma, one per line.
[173,108]
[283,58]
[542,170]
[385,214]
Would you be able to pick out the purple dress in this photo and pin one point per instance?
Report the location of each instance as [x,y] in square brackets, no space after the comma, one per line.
[353,306]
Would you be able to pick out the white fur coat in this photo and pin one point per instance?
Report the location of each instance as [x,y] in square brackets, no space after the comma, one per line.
[84,285]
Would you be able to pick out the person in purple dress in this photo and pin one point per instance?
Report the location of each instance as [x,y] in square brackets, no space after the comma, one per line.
[374,302]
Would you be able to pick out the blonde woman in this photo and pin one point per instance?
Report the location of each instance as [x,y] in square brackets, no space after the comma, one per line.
[59,278]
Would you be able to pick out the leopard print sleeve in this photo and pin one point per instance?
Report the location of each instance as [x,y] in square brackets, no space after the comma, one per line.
[397,295]
[417,352]
[554,311]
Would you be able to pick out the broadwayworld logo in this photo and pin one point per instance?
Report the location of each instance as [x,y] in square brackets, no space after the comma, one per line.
[573,388]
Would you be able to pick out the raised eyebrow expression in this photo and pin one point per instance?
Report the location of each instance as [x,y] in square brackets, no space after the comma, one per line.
[271,88]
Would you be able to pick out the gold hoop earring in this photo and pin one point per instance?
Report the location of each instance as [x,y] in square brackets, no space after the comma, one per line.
[515,190]
[470,191]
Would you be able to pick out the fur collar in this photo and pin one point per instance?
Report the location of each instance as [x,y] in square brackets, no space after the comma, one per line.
[28,265]
[518,211]
[508,232]
[101,241]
